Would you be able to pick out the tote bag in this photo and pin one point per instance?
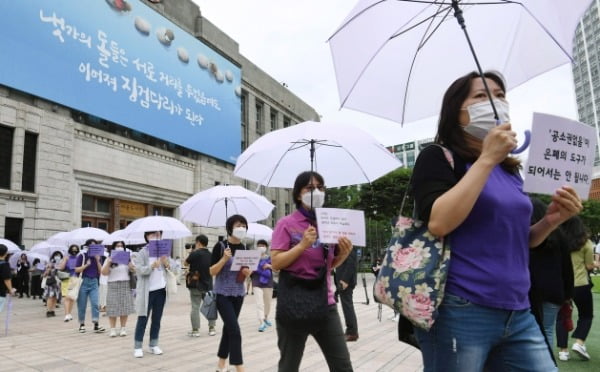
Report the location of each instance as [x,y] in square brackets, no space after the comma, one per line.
[414,270]
[209,306]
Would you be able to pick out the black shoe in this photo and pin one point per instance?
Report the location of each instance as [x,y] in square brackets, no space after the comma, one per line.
[21,296]
[48,314]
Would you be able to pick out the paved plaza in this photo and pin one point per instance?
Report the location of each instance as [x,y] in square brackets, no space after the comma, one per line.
[37,343]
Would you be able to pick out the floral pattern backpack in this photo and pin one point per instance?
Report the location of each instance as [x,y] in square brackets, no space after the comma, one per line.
[414,270]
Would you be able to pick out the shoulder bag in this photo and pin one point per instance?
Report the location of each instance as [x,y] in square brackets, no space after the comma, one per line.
[303,300]
[209,306]
[414,270]
[171,282]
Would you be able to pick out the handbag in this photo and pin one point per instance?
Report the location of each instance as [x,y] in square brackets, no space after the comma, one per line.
[301,299]
[171,283]
[74,285]
[192,280]
[209,306]
[414,269]
[565,315]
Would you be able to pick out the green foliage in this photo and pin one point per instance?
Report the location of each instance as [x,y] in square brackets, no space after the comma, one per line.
[590,214]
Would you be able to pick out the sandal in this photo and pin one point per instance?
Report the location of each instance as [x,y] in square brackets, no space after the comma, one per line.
[81,328]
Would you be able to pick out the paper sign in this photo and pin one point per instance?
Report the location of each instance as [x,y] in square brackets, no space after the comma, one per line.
[334,223]
[247,258]
[71,263]
[561,153]
[159,248]
[96,250]
[120,257]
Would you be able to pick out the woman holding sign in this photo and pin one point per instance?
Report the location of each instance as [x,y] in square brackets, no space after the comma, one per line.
[473,196]
[305,301]
[230,291]
[119,301]
[151,293]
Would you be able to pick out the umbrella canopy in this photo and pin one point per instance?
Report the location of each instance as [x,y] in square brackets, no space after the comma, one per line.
[30,257]
[12,247]
[120,235]
[46,249]
[394,59]
[342,154]
[58,239]
[172,228]
[257,231]
[211,207]
[79,236]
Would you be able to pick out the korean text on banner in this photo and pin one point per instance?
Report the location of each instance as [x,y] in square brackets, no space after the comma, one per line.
[334,223]
[561,153]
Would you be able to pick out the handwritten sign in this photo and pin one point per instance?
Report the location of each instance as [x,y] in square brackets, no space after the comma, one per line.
[334,223]
[561,153]
[120,257]
[95,250]
[247,258]
[159,248]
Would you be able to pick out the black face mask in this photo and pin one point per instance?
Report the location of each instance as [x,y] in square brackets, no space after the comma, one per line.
[73,253]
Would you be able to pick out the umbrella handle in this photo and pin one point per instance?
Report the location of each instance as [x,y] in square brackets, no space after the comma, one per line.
[525,145]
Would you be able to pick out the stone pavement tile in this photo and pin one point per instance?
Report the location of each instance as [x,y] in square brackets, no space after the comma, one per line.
[37,343]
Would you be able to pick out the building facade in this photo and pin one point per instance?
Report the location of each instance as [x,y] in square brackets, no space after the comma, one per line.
[62,168]
[586,69]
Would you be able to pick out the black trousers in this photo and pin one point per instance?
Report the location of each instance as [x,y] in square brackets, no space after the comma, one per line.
[582,296]
[347,301]
[291,340]
[229,308]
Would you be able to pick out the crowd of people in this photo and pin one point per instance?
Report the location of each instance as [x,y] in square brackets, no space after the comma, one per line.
[517,264]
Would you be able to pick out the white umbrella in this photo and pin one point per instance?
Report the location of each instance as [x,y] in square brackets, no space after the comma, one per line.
[120,235]
[58,238]
[211,207]
[394,59]
[257,231]
[12,247]
[78,236]
[342,154]
[30,256]
[172,228]
[46,249]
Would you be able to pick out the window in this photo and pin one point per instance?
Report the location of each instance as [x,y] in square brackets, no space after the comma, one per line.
[286,122]
[6,148]
[29,161]
[162,211]
[287,208]
[273,120]
[259,118]
[13,230]
[244,121]
[274,202]
[91,203]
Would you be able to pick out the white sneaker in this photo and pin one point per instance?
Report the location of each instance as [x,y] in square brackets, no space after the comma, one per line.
[563,355]
[138,353]
[68,317]
[123,332]
[581,351]
[155,350]
[113,333]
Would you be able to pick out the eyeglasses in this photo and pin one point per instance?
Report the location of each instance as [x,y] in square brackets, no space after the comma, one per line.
[312,188]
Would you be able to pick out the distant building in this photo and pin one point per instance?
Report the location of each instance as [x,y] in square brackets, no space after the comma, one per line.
[407,152]
[586,75]
[110,111]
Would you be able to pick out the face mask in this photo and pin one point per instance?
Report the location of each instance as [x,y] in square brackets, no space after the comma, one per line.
[56,258]
[239,232]
[120,249]
[318,198]
[262,249]
[482,118]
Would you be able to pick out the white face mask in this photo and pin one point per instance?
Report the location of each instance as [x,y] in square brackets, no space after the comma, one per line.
[482,119]
[318,198]
[239,232]
[119,249]
[262,249]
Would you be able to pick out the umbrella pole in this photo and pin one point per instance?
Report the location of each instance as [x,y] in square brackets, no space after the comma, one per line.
[461,21]
[312,159]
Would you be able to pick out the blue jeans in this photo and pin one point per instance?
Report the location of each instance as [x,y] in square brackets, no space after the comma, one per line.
[550,312]
[89,288]
[156,305]
[468,337]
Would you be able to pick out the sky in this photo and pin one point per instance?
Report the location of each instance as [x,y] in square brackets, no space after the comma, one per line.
[288,40]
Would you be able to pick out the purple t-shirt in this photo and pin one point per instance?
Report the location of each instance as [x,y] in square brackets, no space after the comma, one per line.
[90,271]
[490,249]
[287,233]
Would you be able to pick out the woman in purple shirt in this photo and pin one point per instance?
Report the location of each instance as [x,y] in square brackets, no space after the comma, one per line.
[296,250]
[230,291]
[484,320]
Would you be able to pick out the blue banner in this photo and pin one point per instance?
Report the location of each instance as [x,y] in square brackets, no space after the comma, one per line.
[123,62]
